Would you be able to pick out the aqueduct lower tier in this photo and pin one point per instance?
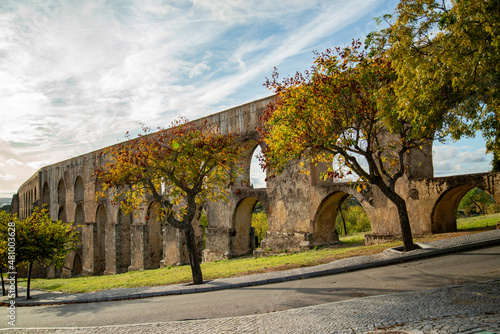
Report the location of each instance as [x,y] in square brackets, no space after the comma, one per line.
[300,208]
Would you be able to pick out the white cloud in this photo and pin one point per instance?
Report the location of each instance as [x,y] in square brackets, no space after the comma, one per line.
[14,162]
[7,177]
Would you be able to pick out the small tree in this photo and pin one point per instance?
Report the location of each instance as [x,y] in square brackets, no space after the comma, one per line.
[5,218]
[344,108]
[43,240]
[181,168]
[259,222]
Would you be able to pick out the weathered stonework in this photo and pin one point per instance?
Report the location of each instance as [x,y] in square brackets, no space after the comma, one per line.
[300,208]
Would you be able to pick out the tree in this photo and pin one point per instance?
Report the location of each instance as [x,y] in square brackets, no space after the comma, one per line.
[5,218]
[447,57]
[259,222]
[43,240]
[37,239]
[181,168]
[343,108]
[476,200]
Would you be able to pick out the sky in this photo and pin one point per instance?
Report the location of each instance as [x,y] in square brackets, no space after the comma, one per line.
[76,75]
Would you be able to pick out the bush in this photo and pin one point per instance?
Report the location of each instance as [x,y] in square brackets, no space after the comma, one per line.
[356,219]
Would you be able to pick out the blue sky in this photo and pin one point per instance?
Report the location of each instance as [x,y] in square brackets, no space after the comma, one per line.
[76,75]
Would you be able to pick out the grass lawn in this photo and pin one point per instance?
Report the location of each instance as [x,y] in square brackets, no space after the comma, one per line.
[352,245]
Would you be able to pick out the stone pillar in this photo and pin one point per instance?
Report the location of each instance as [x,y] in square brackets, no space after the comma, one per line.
[137,247]
[218,244]
[174,247]
[111,231]
[89,248]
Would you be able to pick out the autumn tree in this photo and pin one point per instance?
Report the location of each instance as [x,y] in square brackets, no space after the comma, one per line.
[39,239]
[447,57]
[180,167]
[344,107]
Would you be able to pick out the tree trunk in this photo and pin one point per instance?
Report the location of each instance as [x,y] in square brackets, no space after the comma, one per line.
[404,222]
[404,219]
[193,254]
[17,288]
[343,220]
[30,266]
[3,283]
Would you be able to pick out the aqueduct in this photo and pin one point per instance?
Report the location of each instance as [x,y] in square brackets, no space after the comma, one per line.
[301,209]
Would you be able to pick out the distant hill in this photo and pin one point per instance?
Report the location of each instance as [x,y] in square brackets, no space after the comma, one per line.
[5,201]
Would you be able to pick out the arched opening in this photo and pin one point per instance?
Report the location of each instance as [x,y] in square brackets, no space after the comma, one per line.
[249,224]
[257,175]
[153,245]
[469,204]
[352,220]
[61,215]
[100,253]
[61,193]
[339,213]
[79,190]
[46,195]
[77,266]
[252,175]
[79,221]
[122,242]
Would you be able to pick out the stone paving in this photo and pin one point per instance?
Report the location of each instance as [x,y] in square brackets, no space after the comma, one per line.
[469,308]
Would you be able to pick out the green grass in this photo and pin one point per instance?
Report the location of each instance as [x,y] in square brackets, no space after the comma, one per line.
[227,268]
[352,245]
[354,239]
[478,222]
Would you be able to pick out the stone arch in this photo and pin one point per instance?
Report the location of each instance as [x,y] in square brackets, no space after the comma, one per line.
[46,195]
[153,246]
[245,162]
[100,252]
[77,268]
[79,221]
[122,242]
[61,193]
[79,190]
[243,240]
[324,230]
[61,215]
[444,214]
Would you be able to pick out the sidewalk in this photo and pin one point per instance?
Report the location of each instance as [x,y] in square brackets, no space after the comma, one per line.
[349,264]
[466,309]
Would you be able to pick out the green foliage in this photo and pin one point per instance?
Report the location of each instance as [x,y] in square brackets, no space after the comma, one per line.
[447,58]
[259,222]
[41,239]
[356,220]
[476,202]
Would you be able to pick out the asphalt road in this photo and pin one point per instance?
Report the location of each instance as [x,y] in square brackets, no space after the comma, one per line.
[459,268]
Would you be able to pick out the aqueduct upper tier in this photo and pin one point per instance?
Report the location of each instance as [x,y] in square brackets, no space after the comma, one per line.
[301,209]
